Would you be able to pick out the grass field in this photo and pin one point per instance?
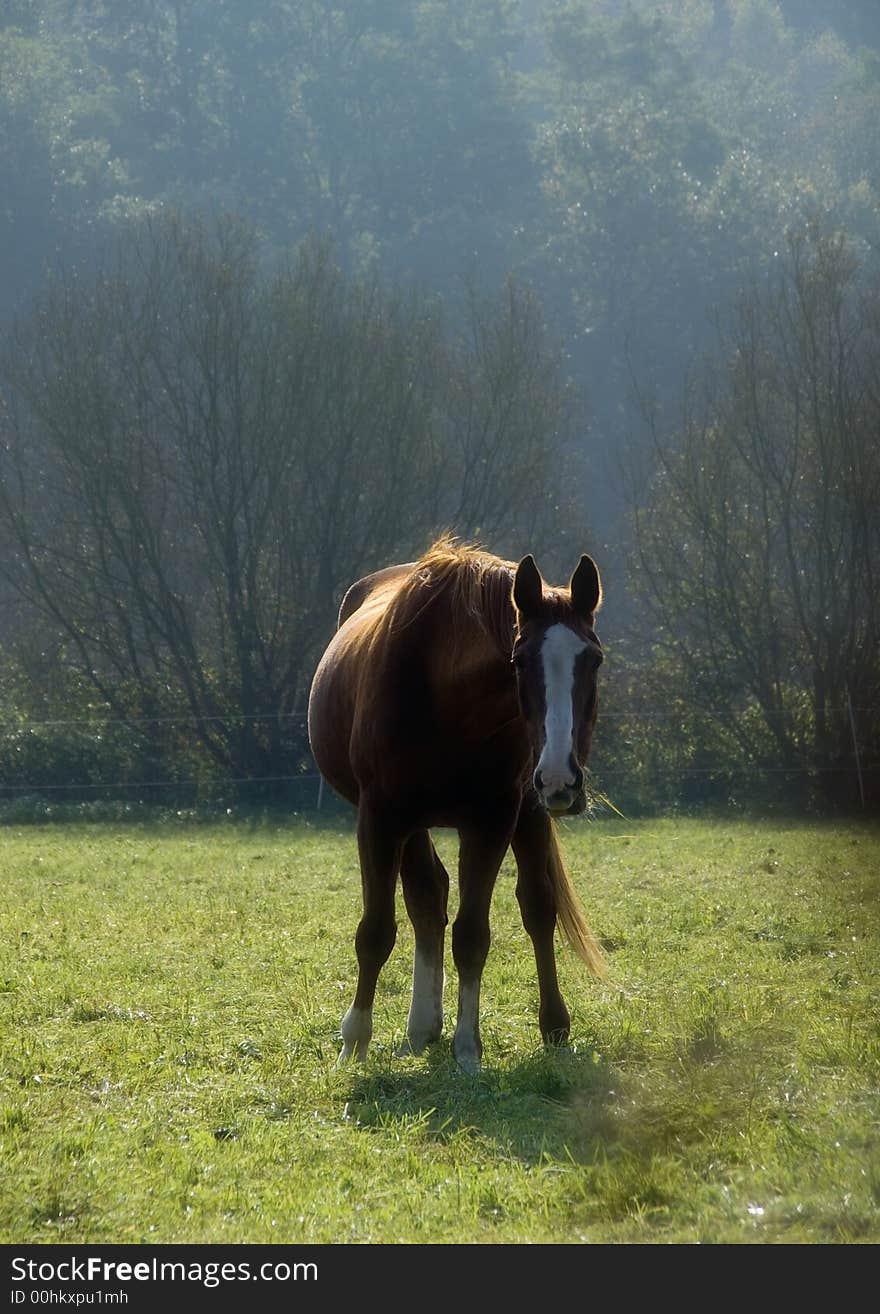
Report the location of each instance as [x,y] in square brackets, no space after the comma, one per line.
[170,1004]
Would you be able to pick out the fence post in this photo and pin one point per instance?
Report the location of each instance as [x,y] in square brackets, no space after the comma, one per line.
[852,726]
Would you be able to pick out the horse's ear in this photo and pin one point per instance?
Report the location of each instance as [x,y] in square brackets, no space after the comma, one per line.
[528,588]
[586,587]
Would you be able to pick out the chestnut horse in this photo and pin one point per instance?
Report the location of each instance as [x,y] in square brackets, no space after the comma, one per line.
[460,691]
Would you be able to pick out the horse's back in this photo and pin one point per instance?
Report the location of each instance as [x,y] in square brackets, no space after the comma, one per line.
[333,697]
[367,587]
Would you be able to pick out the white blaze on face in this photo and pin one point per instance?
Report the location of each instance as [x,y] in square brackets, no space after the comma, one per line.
[559,651]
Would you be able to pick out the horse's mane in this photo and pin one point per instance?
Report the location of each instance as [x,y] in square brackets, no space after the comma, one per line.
[474,584]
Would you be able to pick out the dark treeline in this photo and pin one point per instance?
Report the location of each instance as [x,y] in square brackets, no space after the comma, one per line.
[289,287]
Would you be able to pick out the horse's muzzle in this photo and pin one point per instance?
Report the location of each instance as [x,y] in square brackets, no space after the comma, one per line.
[565,803]
[564,793]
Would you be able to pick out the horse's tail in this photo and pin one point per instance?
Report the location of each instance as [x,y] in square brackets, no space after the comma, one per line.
[569,911]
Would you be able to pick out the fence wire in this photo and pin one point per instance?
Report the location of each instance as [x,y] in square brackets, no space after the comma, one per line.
[214,785]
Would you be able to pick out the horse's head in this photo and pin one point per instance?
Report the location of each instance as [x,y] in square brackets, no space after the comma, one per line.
[557,655]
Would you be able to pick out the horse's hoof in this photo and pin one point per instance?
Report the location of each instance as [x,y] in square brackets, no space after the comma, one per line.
[469,1064]
[468,1059]
[351,1054]
[411,1048]
[556,1039]
[357,1031]
[415,1046]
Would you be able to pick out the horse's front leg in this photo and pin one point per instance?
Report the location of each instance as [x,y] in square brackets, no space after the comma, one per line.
[379,847]
[480,855]
[532,843]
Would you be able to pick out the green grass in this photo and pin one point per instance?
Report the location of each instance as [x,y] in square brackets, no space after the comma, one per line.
[169,1018]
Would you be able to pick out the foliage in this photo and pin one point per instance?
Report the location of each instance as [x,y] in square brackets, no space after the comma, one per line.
[658,752]
[380,123]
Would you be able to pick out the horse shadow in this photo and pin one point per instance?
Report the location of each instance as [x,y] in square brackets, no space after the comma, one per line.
[550,1105]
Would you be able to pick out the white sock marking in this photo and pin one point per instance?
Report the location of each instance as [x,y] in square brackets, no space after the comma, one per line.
[426,1011]
[465,1045]
[357,1028]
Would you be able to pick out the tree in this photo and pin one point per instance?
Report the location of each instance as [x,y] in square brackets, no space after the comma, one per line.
[55,164]
[198,457]
[855,20]
[391,126]
[680,142]
[758,546]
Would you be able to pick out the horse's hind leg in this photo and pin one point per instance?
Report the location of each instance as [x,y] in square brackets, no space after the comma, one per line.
[537,902]
[425,891]
[379,849]
[480,858]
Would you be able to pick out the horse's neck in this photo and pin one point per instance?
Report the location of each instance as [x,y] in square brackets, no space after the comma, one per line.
[473,644]
[493,614]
